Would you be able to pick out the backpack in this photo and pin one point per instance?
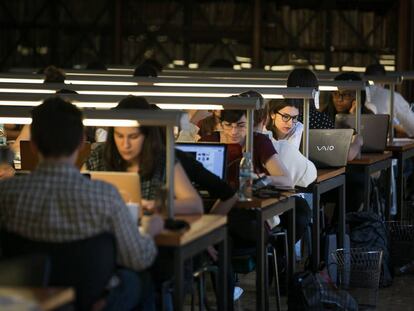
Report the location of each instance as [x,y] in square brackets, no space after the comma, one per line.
[367,230]
[314,292]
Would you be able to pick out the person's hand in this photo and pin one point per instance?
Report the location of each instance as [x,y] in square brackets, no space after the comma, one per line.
[352,110]
[198,115]
[152,225]
[6,171]
[148,206]
[357,139]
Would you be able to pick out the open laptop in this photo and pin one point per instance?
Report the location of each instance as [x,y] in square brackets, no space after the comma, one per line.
[212,156]
[330,147]
[128,184]
[374,129]
[29,158]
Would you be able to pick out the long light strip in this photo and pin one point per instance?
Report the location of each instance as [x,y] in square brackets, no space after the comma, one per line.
[109,122]
[173,106]
[18,80]
[16,120]
[92,82]
[33,91]
[217,85]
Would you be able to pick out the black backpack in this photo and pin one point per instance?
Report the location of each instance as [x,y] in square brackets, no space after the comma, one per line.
[367,230]
[312,292]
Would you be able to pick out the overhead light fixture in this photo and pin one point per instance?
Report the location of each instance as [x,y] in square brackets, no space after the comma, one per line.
[92,82]
[31,91]
[110,122]
[15,120]
[353,68]
[18,80]
[328,88]
[174,106]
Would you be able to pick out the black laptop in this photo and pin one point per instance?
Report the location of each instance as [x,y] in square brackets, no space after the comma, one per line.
[330,147]
[374,129]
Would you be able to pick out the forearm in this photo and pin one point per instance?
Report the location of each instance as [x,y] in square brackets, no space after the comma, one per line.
[224,207]
[186,206]
[284,181]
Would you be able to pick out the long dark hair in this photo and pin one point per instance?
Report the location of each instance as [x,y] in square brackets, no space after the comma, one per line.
[152,148]
[302,77]
[274,106]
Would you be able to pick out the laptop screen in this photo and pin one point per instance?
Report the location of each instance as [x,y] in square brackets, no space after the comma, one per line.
[212,156]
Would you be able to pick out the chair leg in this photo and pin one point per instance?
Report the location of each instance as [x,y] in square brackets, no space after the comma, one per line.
[276,277]
[201,291]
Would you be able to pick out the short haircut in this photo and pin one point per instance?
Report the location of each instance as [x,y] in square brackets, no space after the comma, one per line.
[56,128]
[154,63]
[54,75]
[302,77]
[232,116]
[261,113]
[145,70]
[375,70]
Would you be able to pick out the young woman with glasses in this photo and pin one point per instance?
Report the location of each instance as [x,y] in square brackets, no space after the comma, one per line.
[283,122]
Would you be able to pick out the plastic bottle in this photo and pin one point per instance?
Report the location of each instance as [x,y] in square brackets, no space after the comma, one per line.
[3,137]
[245,177]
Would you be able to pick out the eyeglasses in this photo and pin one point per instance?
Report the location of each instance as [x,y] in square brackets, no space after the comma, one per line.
[343,95]
[230,126]
[288,117]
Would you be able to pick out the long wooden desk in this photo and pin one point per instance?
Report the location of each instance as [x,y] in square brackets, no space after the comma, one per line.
[205,230]
[327,180]
[401,150]
[265,209]
[368,164]
[45,298]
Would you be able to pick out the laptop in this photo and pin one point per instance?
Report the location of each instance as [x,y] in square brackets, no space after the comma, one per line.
[374,129]
[329,147]
[212,156]
[29,158]
[128,184]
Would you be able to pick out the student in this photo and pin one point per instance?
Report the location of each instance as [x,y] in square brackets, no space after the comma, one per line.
[56,203]
[344,101]
[6,162]
[284,123]
[142,150]
[302,77]
[265,157]
[380,97]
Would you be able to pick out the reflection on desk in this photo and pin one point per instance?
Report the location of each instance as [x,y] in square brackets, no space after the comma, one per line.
[199,225]
[325,173]
[370,158]
[263,203]
[35,298]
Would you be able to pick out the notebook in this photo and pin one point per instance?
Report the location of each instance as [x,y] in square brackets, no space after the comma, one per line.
[329,147]
[128,184]
[374,129]
[212,156]
[29,158]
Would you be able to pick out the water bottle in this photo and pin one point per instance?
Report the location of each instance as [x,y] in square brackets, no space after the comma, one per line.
[245,177]
[3,137]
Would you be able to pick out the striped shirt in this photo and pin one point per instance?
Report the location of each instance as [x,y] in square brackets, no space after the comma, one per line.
[56,203]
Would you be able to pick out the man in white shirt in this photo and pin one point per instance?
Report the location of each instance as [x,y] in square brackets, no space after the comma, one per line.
[379,97]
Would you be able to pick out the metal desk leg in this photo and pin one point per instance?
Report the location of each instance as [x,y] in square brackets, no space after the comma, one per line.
[388,184]
[367,188]
[291,241]
[400,192]
[260,262]
[178,280]
[316,228]
[222,275]
[341,213]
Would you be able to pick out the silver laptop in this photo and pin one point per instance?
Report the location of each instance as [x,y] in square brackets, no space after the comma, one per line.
[374,129]
[329,148]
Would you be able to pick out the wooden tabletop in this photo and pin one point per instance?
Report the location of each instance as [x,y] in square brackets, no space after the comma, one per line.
[46,298]
[328,173]
[262,203]
[199,226]
[370,158]
[401,145]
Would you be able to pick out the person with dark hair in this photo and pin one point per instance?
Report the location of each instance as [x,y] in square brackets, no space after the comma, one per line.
[154,63]
[283,121]
[142,149]
[54,75]
[379,97]
[302,77]
[6,162]
[344,101]
[56,203]
[145,70]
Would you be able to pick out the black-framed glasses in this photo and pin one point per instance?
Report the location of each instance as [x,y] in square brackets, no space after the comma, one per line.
[287,117]
[345,95]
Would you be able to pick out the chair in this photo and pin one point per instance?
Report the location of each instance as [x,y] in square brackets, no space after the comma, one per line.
[28,270]
[86,265]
